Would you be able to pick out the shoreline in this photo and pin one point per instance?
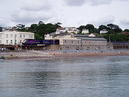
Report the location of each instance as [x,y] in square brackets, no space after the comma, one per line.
[33,54]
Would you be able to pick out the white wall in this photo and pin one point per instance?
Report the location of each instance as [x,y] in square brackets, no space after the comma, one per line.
[103,31]
[85,31]
[14,37]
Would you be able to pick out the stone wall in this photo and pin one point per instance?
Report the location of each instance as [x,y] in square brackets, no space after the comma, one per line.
[79,47]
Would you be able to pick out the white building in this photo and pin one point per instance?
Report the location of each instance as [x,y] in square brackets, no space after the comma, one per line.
[14,37]
[60,30]
[85,31]
[67,29]
[72,30]
[104,31]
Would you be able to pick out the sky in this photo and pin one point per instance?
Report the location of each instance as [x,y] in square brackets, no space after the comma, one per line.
[71,13]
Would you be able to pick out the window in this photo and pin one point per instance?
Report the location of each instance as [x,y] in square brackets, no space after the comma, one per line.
[20,35]
[15,41]
[7,41]
[64,41]
[11,41]
[30,36]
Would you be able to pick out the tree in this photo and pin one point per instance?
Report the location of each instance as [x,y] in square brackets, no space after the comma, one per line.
[33,28]
[41,29]
[112,28]
[58,24]
[50,28]
[40,22]
[96,30]
[20,26]
[103,27]
[82,27]
[126,30]
[91,28]
[117,37]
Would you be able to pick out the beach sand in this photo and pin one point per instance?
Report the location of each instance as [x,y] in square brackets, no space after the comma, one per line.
[59,54]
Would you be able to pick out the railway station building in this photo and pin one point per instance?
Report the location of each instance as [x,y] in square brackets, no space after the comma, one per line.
[79,42]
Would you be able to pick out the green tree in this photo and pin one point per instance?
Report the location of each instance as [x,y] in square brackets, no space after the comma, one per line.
[33,28]
[112,28]
[58,24]
[21,27]
[41,29]
[117,37]
[91,28]
[82,27]
[126,30]
[103,27]
[40,22]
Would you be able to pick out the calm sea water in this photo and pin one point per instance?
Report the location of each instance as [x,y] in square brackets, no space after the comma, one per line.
[78,77]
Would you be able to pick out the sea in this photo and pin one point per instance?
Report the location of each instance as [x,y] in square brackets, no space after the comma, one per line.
[106,76]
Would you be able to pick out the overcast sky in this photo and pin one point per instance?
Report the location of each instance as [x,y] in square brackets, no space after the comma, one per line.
[68,12]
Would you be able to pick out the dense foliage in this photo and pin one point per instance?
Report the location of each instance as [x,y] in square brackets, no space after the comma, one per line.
[90,27]
[114,32]
[116,37]
[40,29]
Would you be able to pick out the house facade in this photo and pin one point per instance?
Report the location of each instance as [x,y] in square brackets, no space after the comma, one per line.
[104,31]
[67,29]
[85,31]
[14,37]
[72,30]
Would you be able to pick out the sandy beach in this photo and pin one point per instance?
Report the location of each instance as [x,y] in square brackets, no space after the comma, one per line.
[59,54]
